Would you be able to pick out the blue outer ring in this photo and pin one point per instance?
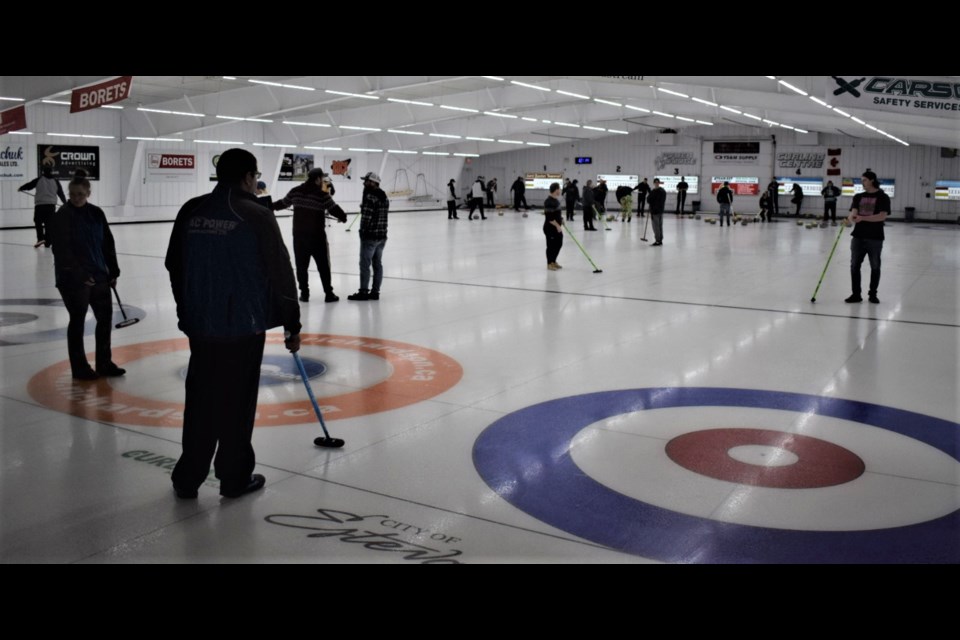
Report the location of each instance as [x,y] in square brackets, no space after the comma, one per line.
[61,333]
[525,458]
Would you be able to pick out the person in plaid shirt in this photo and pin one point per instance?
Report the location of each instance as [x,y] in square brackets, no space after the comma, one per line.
[374,207]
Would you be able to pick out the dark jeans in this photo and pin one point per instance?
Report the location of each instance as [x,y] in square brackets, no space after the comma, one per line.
[571,207]
[830,209]
[451,209]
[371,252]
[517,199]
[589,214]
[554,244]
[657,220]
[77,300]
[490,202]
[798,200]
[474,203]
[41,219]
[641,202]
[681,200]
[314,247]
[859,249]
[223,381]
[774,203]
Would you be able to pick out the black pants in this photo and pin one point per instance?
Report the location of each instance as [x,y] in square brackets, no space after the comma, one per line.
[641,202]
[799,202]
[306,247]
[830,209]
[490,202]
[554,244]
[681,200]
[474,203]
[451,209]
[77,300]
[774,203]
[571,207]
[588,217]
[517,199]
[222,384]
[41,218]
[861,248]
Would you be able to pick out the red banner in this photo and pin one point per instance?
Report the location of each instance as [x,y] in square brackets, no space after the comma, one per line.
[13,119]
[101,94]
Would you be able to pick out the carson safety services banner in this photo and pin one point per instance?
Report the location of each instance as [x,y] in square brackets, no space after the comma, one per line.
[915,95]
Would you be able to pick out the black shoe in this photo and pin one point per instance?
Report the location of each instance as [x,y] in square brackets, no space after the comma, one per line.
[89,374]
[185,494]
[657,244]
[113,371]
[362,294]
[331,297]
[854,298]
[374,295]
[873,298]
[304,297]
[255,483]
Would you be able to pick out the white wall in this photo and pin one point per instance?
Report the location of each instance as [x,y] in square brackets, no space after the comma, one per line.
[125,195]
[915,168]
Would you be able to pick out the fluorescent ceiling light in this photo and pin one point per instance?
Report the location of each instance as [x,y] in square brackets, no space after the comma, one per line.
[573,95]
[352,95]
[529,86]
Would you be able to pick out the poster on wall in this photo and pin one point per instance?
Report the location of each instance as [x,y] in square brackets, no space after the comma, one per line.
[947,190]
[163,166]
[669,183]
[13,119]
[619,180]
[739,185]
[853,186]
[809,186]
[64,160]
[296,166]
[339,169]
[541,179]
[212,160]
[13,162]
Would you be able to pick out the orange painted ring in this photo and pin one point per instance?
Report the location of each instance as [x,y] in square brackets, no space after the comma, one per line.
[418,374]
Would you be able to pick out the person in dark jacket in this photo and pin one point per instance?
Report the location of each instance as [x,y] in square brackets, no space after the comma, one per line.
[766,211]
[725,198]
[643,190]
[491,189]
[232,281]
[44,202]
[868,211]
[311,202]
[452,200]
[553,226]
[658,201]
[572,193]
[600,197]
[374,207]
[589,210]
[625,198]
[85,264]
[773,191]
[797,197]
[830,194]
[682,187]
[518,188]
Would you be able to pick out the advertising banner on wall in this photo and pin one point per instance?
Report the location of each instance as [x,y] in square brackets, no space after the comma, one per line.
[809,186]
[338,169]
[915,95]
[101,94]
[669,183]
[296,166]
[13,162]
[164,166]
[615,180]
[64,160]
[740,186]
[541,179]
[13,119]
[853,186]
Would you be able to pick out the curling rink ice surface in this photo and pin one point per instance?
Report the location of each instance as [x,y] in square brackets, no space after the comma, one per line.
[689,404]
